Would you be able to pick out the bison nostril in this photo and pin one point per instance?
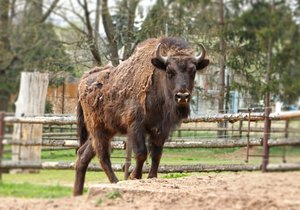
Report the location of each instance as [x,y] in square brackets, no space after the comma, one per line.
[182,97]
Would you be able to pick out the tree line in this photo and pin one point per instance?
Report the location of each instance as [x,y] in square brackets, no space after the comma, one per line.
[256,43]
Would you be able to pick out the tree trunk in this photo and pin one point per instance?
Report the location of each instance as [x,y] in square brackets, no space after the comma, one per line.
[97,26]
[31,101]
[49,11]
[221,82]
[267,124]
[110,33]
[90,35]
[6,55]
[35,11]
[5,51]
[132,4]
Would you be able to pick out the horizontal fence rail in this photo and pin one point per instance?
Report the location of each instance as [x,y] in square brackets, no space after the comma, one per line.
[162,168]
[245,116]
[68,140]
[175,143]
[53,120]
[71,119]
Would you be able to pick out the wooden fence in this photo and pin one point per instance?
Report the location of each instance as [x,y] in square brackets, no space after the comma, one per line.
[68,140]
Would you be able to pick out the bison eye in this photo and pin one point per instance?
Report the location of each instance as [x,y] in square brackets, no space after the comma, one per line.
[171,74]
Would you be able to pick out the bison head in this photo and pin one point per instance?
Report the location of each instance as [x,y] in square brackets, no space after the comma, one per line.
[180,73]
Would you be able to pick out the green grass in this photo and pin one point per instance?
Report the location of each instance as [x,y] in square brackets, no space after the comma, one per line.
[58,183]
[113,195]
[59,155]
[198,156]
[170,156]
[195,134]
[29,190]
[56,177]
[186,156]
[47,183]
[175,175]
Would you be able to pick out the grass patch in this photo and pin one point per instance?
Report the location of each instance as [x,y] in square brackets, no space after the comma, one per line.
[47,183]
[98,202]
[55,155]
[175,175]
[177,156]
[198,156]
[70,156]
[57,177]
[114,194]
[28,190]
[290,150]
[194,134]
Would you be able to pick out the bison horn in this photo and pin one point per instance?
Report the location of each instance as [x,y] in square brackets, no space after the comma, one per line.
[159,56]
[200,57]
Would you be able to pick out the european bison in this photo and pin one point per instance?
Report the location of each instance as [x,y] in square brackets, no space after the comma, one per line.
[145,97]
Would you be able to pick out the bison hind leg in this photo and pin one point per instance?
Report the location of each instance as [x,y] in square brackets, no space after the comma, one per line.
[84,156]
[102,149]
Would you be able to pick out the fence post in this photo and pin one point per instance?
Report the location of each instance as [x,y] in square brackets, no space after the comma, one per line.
[1,141]
[128,147]
[248,136]
[240,128]
[31,101]
[267,129]
[286,135]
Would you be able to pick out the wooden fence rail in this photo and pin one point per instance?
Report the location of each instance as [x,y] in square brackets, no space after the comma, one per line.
[65,120]
[174,143]
[162,168]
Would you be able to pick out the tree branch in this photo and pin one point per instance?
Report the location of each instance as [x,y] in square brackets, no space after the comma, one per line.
[76,13]
[90,35]
[49,11]
[73,25]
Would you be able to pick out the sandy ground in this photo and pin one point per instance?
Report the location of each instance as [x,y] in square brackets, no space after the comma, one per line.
[211,191]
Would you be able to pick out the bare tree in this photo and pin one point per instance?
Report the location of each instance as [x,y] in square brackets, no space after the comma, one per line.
[221,82]
[49,10]
[88,28]
[22,40]
[90,33]
[5,51]
[129,35]
[110,32]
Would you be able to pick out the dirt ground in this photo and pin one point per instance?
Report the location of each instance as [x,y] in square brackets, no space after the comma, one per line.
[209,191]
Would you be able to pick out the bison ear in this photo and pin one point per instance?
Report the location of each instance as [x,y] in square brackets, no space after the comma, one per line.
[202,64]
[158,64]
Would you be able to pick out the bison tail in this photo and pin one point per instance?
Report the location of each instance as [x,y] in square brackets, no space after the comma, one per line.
[81,126]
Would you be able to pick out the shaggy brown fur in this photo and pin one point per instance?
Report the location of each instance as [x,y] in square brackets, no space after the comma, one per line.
[142,97]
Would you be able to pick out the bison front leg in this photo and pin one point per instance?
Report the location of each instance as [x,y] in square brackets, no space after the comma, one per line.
[84,155]
[156,153]
[140,151]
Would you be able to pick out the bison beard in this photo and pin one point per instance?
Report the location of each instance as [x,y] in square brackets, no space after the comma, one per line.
[145,97]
